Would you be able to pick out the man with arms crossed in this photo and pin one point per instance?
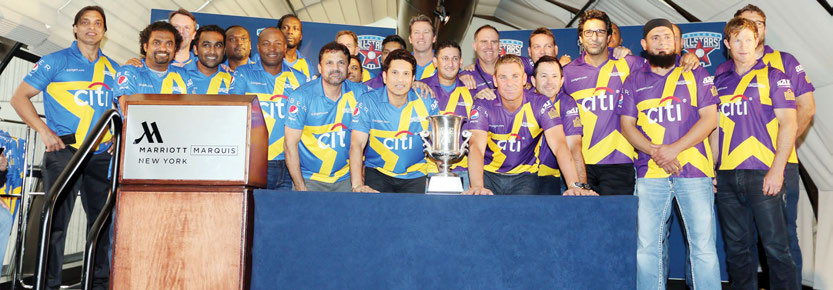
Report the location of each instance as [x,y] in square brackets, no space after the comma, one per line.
[318,125]
[667,114]
[388,120]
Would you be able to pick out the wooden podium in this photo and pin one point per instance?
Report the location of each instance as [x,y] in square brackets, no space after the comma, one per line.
[183,217]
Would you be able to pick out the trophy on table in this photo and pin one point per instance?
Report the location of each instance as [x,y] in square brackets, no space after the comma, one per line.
[445,148]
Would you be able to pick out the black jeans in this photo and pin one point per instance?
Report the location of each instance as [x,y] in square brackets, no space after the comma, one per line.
[502,184]
[551,185]
[611,179]
[94,185]
[384,183]
[742,208]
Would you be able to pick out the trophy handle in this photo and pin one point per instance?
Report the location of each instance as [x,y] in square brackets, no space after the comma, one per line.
[425,144]
[465,145]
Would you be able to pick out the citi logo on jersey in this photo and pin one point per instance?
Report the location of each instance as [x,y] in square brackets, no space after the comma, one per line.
[333,139]
[273,106]
[403,140]
[603,101]
[511,145]
[670,112]
[95,96]
[736,106]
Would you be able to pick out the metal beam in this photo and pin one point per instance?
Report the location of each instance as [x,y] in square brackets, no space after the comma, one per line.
[8,57]
[495,19]
[824,4]
[688,16]
[580,12]
[567,7]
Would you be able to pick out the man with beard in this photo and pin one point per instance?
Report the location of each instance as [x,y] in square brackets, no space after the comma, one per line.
[422,37]
[805,109]
[355,69]
[548,79]
[238,47]
[156,75]
[667,114]
[594,80]
[387,120]
[292,28]
[209,47]
[452,95]
[505,135]
[271,80]
[390,43]
[76,84]
[318,125]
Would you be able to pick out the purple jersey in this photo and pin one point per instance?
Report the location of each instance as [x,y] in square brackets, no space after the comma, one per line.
[513,136]
[567,109]
[458,102]
[595,89]
[375,82]
[666,108]
[483,79]
[748,127]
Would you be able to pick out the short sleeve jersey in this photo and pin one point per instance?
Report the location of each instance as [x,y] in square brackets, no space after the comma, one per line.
[568,111]
[666,108]
[76,91]
[482,79]
[393,145]
[325,124]
[513,137]
[303,65]
[216,84]
[271,91]
[426,71]
[596,90]
[748,128]
[458,102]
[142,80]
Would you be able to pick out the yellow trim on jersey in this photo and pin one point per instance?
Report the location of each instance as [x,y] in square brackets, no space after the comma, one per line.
[453,99]
[656,132]
[302,65]
[404,124]
[428,71]
[276,148]
[751,147]
[60,92]
[365,75]
[774,60]
[169,81]
[327,155]
[615,141]
[217,82]
[498,157]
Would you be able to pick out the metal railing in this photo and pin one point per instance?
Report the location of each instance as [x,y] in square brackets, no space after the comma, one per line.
[63,186]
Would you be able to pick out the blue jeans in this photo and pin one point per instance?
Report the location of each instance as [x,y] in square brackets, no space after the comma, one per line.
[505,184]
[696,202]
[277,175]
[742,208]
[791,180]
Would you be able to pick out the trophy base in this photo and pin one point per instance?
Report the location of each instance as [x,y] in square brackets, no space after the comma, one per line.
[439,184]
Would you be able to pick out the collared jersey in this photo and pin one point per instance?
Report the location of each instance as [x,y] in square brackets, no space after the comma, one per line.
[189,64]
[216,84]
[393,145]
[596,90]
[302,65]
[226,66]
[748,127]
[666,108]
[142,80]
[271,91]
[325,139]
[789,65]
[482,79]
[76,91]
[457,102]
[426,71]
[512,145]
[568,110]
[376,82]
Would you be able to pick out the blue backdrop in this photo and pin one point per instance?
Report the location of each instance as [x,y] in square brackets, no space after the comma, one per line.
[315,35]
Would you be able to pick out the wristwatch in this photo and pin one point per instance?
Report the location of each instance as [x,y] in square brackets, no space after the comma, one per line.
[580,185]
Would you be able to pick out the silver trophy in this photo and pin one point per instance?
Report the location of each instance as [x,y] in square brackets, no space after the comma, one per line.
[445,149]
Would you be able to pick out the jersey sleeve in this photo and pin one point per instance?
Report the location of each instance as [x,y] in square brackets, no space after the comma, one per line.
[126,81]
[798,77]
[780,90]
[706,91]
[44,71]
[627,103]
[479,119]
[238,83]
[361,115]
[569,114]
[297,113]
[546,113]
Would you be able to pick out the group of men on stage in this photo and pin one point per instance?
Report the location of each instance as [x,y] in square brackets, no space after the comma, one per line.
[604,123]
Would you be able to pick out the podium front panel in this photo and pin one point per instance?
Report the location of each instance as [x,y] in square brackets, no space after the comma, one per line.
[186,142]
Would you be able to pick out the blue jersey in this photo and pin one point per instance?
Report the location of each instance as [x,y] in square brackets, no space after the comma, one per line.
[302,64]
[216,84]
[393,147]
[76,91]
[190,64]
[271,91]
[142,80]
[325,142]
[426,71]
[226,66]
